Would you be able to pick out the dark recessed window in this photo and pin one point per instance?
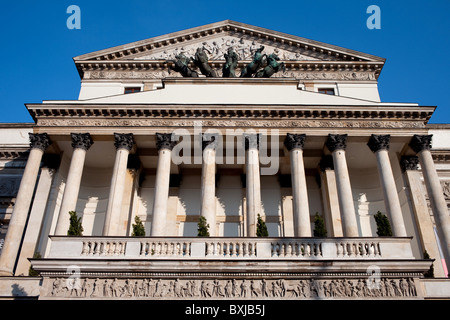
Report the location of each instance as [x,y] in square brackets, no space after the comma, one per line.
[326,90]
[132,89]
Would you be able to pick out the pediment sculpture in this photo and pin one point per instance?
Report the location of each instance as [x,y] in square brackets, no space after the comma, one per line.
[262,65]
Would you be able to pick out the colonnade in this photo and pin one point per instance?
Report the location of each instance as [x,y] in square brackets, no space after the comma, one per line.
[124,143]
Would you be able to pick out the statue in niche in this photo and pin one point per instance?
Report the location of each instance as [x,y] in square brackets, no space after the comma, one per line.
[272,67]
[201,61]
[231,60]
[181,65]
[259,60]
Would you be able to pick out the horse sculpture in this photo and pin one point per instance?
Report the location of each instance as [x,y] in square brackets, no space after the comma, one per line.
[201,61]
[231,61]
[259,60]
[181,63]
[272,67]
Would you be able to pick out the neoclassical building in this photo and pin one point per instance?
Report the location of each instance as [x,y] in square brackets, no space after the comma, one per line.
[245,127]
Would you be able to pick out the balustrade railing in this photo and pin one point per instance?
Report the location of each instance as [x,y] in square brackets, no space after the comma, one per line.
[103,248]
[230,248]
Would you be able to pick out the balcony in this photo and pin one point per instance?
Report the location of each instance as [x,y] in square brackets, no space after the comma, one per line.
[200,264]
[223,248]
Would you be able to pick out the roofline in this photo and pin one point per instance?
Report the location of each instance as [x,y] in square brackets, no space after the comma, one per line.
[227,25]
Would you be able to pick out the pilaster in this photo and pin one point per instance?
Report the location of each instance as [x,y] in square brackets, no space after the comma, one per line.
[421,144]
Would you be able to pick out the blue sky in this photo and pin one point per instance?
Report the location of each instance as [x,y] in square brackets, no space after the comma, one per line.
[37,47]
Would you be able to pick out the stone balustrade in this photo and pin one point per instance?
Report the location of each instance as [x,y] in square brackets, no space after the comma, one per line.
[229,248]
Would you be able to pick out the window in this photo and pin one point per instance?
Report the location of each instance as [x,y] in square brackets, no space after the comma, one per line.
[326,90]
[132,89]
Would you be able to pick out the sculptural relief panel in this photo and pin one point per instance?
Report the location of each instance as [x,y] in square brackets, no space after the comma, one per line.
[289,73]
[175,288]
[229,123]
[244,48]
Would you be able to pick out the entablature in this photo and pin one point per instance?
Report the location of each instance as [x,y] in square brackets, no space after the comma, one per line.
[258,112]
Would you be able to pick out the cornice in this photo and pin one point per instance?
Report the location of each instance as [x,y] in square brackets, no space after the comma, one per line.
[231,28]
[330,57]
[223,112]
[291,66]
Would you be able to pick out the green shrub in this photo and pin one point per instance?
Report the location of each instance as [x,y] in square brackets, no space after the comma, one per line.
[261,228]
[383,225]
[203,227]
[319,226]
[138,228]
[75,228]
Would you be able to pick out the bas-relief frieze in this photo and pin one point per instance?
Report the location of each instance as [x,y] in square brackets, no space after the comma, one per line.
[228,123]
[446,189]
[151,288]
[244,48]
[289,73]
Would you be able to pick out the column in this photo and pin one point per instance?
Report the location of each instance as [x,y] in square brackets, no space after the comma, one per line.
[208,200]
[164,144]
[302,224]
[409,165]
[421,144]
[330,197]
[50,163]
[379,145]
[81,142]
[38,144]
[337,144]
[123,143]
[253,185]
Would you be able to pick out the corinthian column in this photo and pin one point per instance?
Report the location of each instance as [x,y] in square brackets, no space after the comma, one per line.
[253,184]
[123,143]
[379,145]
[421,144]
[208,206]
[38,144]
[409,165]
[164,144]
[337,144]
[302,225]
[81,142]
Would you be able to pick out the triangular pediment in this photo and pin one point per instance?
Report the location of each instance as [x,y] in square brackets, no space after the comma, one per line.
[218,37]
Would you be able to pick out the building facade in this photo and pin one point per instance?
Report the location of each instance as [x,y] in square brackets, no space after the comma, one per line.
[245,127]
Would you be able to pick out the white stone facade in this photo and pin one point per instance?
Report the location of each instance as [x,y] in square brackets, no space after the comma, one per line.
[282,151]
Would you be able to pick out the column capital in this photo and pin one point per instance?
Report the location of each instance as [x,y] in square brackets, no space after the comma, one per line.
[379,142]
[252,140]
[39,141]
[336,142]
[294,141]
[164,141]
[123,141]
[409,163]
[420,142]
[326,163]
[81,141]
[209,140]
